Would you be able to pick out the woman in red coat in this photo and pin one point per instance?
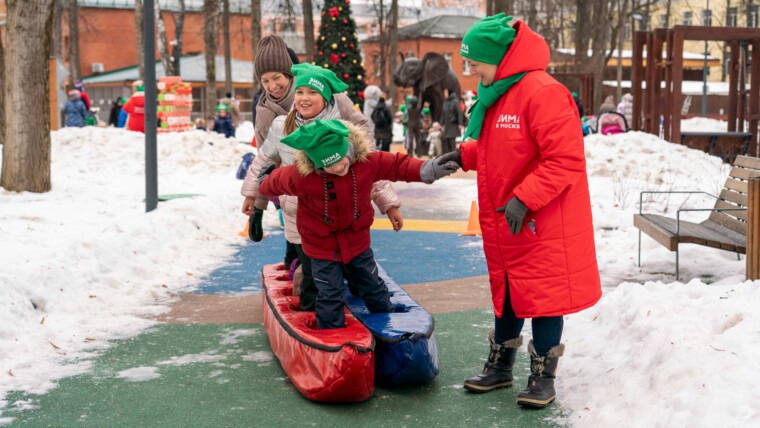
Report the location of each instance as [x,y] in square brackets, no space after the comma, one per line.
[136,109]
[535,211]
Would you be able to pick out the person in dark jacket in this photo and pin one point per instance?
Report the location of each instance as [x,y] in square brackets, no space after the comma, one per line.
[453,121]
[113,117]
[223,122]
[76,112]
[381,117]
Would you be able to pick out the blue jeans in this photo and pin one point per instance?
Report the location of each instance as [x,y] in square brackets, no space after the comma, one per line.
[547,331]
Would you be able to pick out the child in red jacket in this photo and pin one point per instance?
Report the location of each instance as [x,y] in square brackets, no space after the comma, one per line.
[333,177]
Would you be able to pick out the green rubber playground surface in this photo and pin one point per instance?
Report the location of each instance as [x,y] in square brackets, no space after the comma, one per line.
[210,375]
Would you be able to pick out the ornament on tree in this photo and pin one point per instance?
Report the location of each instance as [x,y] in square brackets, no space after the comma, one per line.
[334,12]
[323,37]
[340,8]
[345,21]
[359,77]
[342,55]
[351,45]
[334,46]
[321,53]
[342,39]
[333,58]
[361,95]
[354,61]
[323,13]
[326,66]
[345,76]
[333,18]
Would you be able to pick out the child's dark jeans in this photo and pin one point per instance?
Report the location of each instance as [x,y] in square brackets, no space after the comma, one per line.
[547,331]
[362,272]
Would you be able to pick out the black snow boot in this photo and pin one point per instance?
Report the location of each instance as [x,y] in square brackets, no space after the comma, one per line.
[540,390]
[497,372]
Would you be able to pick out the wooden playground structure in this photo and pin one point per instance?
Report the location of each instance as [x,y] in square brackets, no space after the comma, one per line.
[662,70]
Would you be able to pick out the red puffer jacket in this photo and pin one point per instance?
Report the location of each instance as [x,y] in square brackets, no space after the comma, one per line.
[335,213]
[531,146]
[135,106]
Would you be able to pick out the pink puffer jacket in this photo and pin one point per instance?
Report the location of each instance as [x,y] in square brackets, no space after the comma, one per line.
[383,194]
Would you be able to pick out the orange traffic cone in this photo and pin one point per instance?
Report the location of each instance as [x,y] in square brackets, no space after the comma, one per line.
[244,233]
[401,149]
[473,224]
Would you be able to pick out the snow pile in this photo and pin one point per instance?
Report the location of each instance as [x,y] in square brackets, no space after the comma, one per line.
[83,263]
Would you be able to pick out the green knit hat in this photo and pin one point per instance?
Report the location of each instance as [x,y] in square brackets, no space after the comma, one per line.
[222,107]
[322,80]
[325,142]
[488,39]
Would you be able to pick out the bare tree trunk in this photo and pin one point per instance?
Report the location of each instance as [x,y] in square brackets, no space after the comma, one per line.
[227,48]
[140,43]
[667,13]
[74,66]
[26,152]
[179,25]
[163,46]
[622,13]
[2,92]
[255,36]
[210,36]
[58,29]
[308,27]
[393,54]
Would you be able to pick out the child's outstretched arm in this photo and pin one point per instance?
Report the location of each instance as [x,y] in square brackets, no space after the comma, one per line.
[279,181]
[402,167]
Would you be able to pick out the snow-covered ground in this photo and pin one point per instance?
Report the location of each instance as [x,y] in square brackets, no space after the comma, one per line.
[84,264]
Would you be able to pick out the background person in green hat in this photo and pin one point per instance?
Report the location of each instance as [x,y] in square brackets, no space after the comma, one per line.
[318,95]
[223,122]
[332,177]
[535,210]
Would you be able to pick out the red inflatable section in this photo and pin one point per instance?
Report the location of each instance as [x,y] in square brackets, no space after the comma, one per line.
[325,365]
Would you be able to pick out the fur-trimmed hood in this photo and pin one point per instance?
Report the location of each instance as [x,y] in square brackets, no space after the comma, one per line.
[358,150]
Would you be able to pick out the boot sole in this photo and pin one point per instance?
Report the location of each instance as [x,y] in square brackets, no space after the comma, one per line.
[481,389]
[533,403]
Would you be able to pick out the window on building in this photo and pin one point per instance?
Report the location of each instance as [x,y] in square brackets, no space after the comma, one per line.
[447,57]
[731,20]
[686,17]
[753,16]
[707,17]
[375,30]
[664,21]
[376,64]
[465,67]
[288,27]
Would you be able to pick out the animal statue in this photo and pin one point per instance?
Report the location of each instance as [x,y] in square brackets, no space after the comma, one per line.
[428,77]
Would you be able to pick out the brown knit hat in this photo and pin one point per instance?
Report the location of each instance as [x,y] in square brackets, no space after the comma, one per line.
[272,55]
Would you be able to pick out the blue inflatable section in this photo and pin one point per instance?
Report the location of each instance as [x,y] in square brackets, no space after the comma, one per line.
[405,348]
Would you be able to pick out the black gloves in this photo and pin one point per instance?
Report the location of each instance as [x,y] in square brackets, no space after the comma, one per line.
[455,156]
[255,231]
[514,212]
[265,170]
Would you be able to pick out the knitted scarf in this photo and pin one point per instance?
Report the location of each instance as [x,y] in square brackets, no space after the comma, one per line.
[487,95]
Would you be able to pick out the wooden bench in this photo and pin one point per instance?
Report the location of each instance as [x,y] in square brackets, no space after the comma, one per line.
[726,226]
[726,145]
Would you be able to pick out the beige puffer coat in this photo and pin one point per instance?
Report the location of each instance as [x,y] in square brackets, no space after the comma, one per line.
[383,193]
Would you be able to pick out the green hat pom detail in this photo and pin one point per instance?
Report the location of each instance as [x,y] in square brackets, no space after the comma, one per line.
[488,39]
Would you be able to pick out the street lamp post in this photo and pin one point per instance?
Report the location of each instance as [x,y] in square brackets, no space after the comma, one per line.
[704,70]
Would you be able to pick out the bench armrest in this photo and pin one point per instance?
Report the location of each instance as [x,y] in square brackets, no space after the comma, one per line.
[641,195]
[678,214]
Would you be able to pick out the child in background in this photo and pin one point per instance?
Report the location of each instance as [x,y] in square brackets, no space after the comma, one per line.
[200,124]
[434,139]
[223,122]
[332,177]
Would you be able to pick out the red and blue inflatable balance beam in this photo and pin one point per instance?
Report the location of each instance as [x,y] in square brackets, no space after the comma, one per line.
[324,365]
[405,349]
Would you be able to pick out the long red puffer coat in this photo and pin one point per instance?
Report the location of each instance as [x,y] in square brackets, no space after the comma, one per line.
[531,146]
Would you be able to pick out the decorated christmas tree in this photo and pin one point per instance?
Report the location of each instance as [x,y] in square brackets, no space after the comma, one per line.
[337,48]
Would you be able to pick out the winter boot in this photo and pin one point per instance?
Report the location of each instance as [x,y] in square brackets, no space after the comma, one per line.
[540,390]
[497,372]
